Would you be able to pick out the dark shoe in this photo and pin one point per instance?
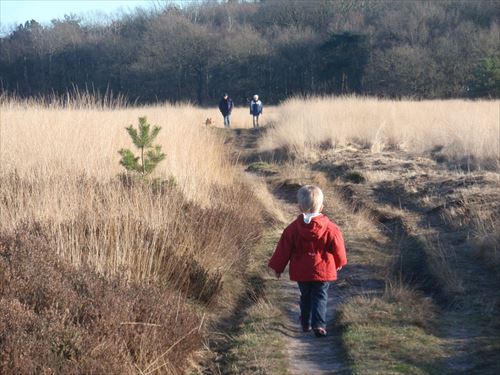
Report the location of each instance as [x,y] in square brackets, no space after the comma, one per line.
[320,332]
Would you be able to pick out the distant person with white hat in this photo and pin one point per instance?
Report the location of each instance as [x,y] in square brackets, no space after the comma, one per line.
[255,110]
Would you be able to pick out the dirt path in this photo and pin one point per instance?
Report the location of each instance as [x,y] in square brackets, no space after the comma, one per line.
[307,355]
[409,200]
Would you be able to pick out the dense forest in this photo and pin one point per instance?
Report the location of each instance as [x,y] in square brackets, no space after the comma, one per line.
[277,48]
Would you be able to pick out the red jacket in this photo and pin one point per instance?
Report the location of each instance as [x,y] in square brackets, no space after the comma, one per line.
[314,250]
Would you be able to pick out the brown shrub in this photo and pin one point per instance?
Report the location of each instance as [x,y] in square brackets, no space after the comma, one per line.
[144,232]
[101,286]
[55,318]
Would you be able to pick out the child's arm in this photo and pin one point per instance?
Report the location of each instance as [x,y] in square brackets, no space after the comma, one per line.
[339,253]
[281,255]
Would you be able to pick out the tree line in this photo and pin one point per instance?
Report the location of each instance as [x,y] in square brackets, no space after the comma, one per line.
[277,48]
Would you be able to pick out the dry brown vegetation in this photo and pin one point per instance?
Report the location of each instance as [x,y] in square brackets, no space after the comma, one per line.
[418,187]
[55,319]
[456,130]
[183,235]
[101,272]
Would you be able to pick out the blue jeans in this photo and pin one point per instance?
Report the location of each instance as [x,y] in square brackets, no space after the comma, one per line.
[256,121]
[313,300]
[227,121]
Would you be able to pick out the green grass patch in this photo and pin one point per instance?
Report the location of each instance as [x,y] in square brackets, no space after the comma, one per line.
[255,346]
[261,167]
[258,347]
[391,334]
[384,349]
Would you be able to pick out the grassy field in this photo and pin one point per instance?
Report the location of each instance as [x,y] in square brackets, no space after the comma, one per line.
[187,233]
[107,274]
[422,176]
[458,130]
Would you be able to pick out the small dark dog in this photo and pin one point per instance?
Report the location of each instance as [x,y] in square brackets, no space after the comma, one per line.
[209,122]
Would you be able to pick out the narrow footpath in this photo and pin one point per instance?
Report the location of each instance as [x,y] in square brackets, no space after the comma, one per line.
[306,354]
[414,297]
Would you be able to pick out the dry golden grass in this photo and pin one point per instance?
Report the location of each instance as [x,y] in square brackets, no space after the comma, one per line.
[68,158]
[187,232]
[60,179]
[464,129]
[63,141]
[60,166]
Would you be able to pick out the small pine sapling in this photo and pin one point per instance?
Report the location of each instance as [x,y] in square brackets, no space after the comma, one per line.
[143,138]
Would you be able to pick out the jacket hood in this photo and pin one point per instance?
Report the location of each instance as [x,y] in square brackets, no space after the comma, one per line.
[315,229]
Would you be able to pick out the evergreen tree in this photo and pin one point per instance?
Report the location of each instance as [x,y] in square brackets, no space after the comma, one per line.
[150,155]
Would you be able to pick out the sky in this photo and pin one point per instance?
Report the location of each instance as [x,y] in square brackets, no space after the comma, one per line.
[15,12]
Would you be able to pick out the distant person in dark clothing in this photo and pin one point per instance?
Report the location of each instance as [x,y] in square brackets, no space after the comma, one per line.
[226,107]
[255,110]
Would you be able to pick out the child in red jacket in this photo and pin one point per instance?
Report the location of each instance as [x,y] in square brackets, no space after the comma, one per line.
[315,249]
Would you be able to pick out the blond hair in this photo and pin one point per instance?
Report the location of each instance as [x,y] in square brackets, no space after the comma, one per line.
[310,198]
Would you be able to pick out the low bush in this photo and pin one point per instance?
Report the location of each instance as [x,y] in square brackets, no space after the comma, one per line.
[55,318]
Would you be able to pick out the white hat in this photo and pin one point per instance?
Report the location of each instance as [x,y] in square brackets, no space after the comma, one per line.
[256,97]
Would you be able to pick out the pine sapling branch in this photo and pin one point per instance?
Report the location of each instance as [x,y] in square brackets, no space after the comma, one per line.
[150,156]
